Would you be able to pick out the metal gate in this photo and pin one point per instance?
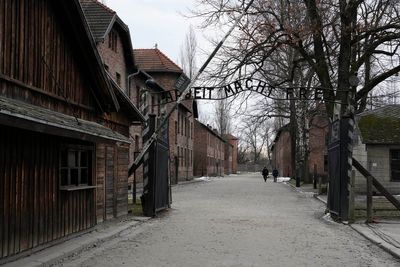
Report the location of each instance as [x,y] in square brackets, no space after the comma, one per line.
[156,188]
[338,158]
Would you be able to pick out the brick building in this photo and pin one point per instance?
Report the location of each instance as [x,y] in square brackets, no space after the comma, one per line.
[317,144]
[209,151]
[228,158]
[281,152]
[231,153]
[318,141]
[113,42]
[166,74]
[148,100]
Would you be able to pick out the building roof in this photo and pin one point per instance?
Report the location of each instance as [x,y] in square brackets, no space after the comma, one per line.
[380,126]
[126,104]
[153,60]
[24,115]
[230,137]
[284,128]
[210,130]
[72,17]
[101,19]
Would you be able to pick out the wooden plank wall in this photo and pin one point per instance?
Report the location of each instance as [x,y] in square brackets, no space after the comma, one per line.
[39,63]
[100,179]
[109,183]
[36,51]
[32,210]
[112,181]
[122,180]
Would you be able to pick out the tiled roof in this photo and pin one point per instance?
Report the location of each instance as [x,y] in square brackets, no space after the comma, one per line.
[284,128]
[98,16]
[154,60]
[380,126]
[210,130]
[230,137]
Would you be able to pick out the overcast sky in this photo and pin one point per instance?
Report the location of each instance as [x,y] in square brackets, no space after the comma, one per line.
[156,21]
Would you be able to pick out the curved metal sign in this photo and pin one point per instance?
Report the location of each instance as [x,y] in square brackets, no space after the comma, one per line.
[243,85]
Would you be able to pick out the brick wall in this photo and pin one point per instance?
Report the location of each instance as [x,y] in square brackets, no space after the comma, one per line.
[114,60]
[282,154]
[228,158]
[234,144]
[209,152]
[200,150]
[180,132]
[318,133]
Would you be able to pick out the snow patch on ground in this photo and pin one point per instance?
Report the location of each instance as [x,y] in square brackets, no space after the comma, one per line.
[283,179]
[208,178]
[203,178]
[327,217]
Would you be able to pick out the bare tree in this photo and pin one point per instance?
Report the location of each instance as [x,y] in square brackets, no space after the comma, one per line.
[188,53]
[335,40]
[256,134]
[222,116]
[243,153]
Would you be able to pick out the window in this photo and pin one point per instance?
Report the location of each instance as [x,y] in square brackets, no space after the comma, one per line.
[136,143]
[176,132]
[118,76]
[179,156]
[395,165]
[182,157]
[185,126]
[158,105]
[186,159]
[137,96]
[75,166]
[112,40]
[325,163]
[179,122]
[153,103]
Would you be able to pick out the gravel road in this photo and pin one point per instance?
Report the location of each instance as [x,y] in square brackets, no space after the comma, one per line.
[237,221]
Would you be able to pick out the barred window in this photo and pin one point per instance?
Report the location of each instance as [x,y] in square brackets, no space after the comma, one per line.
[75,166]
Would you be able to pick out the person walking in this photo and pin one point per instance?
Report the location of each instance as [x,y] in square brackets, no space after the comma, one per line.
[265,173]
[275,173]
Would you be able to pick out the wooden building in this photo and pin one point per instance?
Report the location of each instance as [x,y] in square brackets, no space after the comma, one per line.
[63,128]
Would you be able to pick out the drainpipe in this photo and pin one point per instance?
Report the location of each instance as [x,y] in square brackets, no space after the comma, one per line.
[128,82]
[187,147]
